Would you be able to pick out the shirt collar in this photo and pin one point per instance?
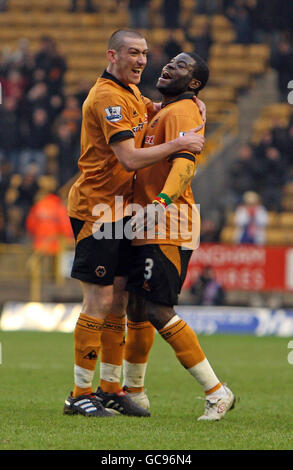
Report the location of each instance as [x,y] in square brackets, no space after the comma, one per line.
[186,96]
[109,76]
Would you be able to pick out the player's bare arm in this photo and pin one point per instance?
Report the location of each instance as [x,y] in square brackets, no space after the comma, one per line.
[181,174]
[134,159]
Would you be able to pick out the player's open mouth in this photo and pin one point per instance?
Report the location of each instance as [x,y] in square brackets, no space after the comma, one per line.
[165,76]
[137,71]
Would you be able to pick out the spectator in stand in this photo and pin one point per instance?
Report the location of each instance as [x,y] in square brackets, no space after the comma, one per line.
[67,154]
[15,232]
[48,222]
[83,90]
[241,18]
[289,147]
[5,179]
[56,105]
[3,237]
[171,10]
[280,138]
[37,97]
[139,13]
[22,59]
[282,62]
[50,61]
[266,141]
[243,174]
[208,7]
[210,230]
[251,219]
[202,41]
[152,72]
[39,130]
[28,189]
[273,177]
[207,290]
[172,47]
[37,135]
[89,7]
[71,116]
[14,85]
[10,137]
[3,5]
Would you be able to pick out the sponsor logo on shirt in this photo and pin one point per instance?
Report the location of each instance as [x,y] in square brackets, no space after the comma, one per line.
[150,139]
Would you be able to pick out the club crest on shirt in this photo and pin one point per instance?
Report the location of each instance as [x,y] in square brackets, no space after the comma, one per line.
[113,113]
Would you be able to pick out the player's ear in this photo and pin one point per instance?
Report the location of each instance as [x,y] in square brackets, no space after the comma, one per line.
[111,56]
[194,84]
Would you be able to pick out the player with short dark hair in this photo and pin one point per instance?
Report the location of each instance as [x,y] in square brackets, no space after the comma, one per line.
[170,227]
[115,115]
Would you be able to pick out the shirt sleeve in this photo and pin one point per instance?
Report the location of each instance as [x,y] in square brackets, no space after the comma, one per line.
[114,116]
[178,125]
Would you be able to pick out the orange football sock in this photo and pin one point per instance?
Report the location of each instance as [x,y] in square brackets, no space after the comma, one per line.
[112,346]
[184,342]
[139,340]
[188,351]
[87,343]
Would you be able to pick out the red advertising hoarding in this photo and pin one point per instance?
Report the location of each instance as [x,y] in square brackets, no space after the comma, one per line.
[245,267]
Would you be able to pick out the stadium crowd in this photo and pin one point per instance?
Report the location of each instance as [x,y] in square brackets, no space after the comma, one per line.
[40,124]
[264,168]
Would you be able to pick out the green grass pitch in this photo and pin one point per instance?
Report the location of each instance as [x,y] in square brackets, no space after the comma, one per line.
[36,377]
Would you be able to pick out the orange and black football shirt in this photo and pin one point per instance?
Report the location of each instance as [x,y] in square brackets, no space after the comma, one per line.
[112,112]
[182,221]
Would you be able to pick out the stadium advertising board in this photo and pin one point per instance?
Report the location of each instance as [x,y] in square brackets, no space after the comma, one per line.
[245,267]
[60,317]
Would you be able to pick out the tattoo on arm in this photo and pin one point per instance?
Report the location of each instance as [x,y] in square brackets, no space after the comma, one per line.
[184,180]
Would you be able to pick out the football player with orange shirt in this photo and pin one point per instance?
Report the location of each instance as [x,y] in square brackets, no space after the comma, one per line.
[167,232]
[115,115]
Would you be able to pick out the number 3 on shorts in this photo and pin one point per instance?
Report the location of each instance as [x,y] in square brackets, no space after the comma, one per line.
[149,263]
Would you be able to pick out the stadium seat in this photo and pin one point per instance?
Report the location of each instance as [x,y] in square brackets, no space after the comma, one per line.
[238,51]
[288,237]
[261,51]
[288,189]
[220,22]
[230,219]
[287,203]
[273,219]
[223,36]
[275,236]
[286,220]
[278,110]
[227,235]
[235,80]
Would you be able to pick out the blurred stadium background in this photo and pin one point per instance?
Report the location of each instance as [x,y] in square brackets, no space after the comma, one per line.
[51,52]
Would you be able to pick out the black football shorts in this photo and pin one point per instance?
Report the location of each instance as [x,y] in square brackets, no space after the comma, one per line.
[98,261]
[158,272]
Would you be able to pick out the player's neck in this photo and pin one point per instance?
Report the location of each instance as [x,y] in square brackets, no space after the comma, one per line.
[115,74]
[166,99]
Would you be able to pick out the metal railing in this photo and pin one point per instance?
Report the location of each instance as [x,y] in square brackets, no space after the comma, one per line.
[22,263]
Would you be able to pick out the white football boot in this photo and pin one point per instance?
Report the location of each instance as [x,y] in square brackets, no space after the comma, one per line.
[140,398]
[217,407]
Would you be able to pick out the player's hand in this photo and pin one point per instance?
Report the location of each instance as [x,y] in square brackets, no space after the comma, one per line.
[157,107]
[202,107]
[192,141]
[146,219]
